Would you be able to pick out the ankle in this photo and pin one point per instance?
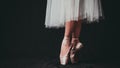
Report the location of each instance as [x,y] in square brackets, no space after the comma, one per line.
[66,38]
[75,39]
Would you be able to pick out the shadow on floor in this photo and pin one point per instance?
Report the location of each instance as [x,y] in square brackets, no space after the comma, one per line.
[52,63]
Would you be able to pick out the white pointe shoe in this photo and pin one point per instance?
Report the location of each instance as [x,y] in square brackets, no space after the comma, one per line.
[74,51]
[65,58]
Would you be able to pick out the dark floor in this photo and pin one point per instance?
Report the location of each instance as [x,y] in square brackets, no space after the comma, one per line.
[53,63]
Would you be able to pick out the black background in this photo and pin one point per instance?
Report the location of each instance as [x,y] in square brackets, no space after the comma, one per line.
[23,34]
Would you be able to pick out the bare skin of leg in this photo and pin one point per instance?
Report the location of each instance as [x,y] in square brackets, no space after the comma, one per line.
[69,27]
[76,31]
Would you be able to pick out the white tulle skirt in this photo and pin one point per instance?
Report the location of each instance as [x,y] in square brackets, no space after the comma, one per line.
[58,12]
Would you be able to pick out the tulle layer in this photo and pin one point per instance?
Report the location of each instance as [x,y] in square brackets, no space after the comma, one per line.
[58,12]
